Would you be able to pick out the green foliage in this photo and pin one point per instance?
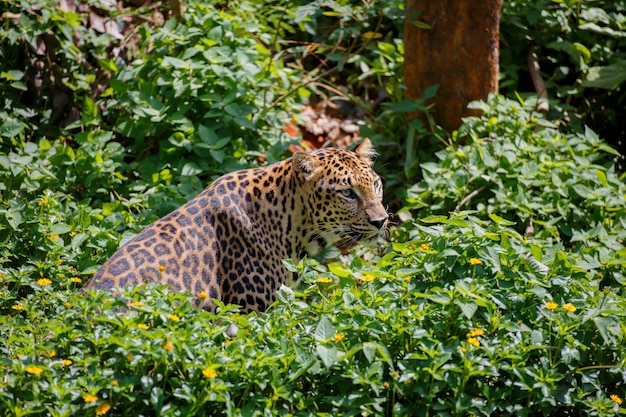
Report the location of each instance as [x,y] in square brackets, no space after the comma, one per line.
[580,46]
[557,187]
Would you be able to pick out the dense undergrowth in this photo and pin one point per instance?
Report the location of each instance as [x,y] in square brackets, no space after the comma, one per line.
[503,292]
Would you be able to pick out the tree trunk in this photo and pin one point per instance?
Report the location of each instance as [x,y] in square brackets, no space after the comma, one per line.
[459,52]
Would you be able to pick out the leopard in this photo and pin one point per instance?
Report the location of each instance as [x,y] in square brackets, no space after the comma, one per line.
[229,243]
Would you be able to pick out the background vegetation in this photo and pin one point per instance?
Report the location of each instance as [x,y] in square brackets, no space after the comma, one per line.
[501,291]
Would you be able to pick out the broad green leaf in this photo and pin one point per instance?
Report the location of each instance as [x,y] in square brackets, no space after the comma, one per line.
[608,77]
[324,330]
[328,355]
[468,308]
[340,270]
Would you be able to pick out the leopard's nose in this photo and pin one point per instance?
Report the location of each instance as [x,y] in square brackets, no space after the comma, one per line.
[379,223]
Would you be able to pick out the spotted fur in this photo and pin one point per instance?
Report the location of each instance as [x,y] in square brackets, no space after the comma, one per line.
[230,240]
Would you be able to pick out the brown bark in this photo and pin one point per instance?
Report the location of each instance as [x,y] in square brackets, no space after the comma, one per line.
[459,52]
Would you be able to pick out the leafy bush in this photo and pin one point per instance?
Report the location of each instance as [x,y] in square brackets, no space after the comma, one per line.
[559,188]
[580,47]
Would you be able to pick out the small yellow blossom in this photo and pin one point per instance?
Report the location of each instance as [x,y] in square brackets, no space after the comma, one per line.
[43,201]
[17,307]
[67,362]
[473,341]
[385,385]
[34,370]
[76,280]
[475,261]
[114,383]
[407,279]
[49,354]
[550,305]
[60,262]
[43,282]
[143,326]
[72,233]
[67,305]
[173,317]
[228,342]
[339,337]
[367,278]
[569,307]
[129,357]
[135,304]
[324,280]
[203,295]
[102,409]
[90,398]
[424,247]
[169,346]
[52,237]
[616,398]
[476,332]
[209,373]
[161,268]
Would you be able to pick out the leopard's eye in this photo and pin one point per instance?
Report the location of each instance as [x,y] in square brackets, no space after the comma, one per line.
[348,193]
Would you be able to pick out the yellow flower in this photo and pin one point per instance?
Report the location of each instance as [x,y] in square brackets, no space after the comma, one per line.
[324,280]
[34,370]
[67,305]
[161,268]
[475,261]
[114,383]
[43,282]
[367,278]
[385,385]
[173,317]
[569,307]
[407,279]
[76,280]
[50,354]
[102,409]
[67,362]
[143,326]
[550,305]
[476,332]
[169,346]
[339,337]
[135,304]
[209,373]
[424,247]
[72,233]
[473,341]
[17,307]
[90,398]
[203,295]
[616,398]
[54,237]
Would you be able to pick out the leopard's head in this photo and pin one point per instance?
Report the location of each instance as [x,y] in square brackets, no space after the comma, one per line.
[342,196]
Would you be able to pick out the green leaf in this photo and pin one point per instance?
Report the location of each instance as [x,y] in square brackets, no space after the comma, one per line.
[468,308]
[324,330]
[340,270]
[608,77]
[328,355]
[500,221]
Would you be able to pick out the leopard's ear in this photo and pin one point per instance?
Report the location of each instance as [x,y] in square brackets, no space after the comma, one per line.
[305,165]
[366,151]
